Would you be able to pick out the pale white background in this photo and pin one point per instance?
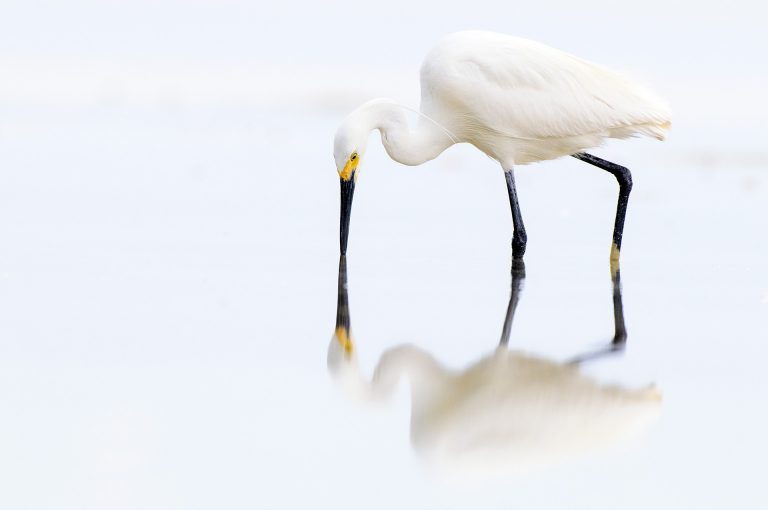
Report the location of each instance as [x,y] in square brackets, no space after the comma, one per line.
[169,243]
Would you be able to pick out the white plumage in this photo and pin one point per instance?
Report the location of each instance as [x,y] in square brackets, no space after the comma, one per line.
[521,101]
[516,100]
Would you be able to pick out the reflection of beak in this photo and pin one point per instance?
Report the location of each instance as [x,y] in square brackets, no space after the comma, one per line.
[342,333]
[344,339]
[347,191]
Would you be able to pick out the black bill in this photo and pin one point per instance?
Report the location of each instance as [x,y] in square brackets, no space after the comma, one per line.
[347,191]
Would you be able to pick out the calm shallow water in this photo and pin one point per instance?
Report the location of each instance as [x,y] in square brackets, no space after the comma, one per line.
[169,269]
[168,297]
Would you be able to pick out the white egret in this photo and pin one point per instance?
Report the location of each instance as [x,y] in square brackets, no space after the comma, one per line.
[509,411]
[516,100]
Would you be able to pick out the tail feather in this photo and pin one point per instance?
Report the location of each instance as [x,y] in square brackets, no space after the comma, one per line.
[652,130]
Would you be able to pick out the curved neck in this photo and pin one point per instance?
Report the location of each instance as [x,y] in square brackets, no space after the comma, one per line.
[407,144]
[405,361]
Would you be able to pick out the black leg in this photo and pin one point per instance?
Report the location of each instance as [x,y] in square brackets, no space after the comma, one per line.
[519,238]
[624,177]
[518,275]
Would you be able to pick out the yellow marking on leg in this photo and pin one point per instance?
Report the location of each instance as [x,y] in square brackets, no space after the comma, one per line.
[614,259]
[614,252]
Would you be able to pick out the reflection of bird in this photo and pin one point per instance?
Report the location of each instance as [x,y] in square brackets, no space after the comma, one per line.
[508,412]
[518,101]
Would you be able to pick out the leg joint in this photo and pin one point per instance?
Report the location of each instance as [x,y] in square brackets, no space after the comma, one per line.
[624,176]
[622,173]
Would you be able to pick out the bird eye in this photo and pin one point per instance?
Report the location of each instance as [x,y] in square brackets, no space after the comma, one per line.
[353,156]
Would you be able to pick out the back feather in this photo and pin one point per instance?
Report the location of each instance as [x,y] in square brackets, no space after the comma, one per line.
[526,90]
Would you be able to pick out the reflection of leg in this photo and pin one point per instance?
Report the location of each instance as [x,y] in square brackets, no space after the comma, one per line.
[519,237]
[619,328]
[518,275]
[624,177]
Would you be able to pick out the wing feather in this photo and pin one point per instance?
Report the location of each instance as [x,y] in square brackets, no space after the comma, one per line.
[526,90]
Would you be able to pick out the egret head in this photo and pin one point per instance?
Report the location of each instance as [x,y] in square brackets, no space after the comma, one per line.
[348,149]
